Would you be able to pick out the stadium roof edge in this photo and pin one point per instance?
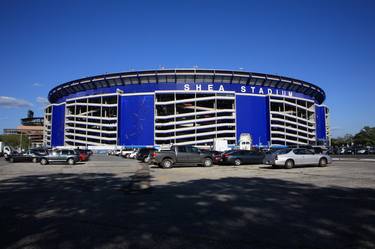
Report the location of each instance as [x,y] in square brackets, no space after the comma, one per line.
[99,81]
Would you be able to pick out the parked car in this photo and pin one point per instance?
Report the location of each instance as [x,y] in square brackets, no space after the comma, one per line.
[27,156]
[68,156]
[318,149]
[333,151]
[216,156]
[238,157]
[126,152]
[88,152]
[144,154]
[289,158]
[347,151]
[362,151]
[114,152]
[180,155]
[133,154]
[83,155]
[37,151]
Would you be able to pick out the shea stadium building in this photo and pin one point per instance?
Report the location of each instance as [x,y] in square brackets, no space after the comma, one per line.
[185,107]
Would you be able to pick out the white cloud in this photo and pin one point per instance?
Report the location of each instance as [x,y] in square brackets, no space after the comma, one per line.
[37,85]
[9,102]
[43,101]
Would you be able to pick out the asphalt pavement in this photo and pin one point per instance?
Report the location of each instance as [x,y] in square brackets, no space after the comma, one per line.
[110,202]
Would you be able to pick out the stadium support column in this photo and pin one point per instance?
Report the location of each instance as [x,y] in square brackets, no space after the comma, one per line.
[58,123]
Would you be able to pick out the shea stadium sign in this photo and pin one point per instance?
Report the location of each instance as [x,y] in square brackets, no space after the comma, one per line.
[242,89]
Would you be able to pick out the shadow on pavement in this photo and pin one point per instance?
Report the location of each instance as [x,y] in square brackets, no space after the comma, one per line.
[93,211]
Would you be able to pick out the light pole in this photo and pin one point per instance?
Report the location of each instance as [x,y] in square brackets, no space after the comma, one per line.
[20,141]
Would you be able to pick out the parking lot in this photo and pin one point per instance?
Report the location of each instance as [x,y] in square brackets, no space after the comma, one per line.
[110,202]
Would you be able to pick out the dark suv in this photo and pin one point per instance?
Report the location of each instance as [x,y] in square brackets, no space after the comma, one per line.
[67,156]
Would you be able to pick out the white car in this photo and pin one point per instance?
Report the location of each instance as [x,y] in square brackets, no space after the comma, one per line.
[362,151]
[117,152]
[126,152]
[133,154]
[289,158]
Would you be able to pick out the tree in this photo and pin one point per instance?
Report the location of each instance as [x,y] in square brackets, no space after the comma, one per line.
[14,140]
[365,137]
[342,141]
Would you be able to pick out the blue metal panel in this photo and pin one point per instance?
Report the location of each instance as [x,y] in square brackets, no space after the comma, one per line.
[253,117]
[136,120]
[58,120]
[320,123]
[152,87]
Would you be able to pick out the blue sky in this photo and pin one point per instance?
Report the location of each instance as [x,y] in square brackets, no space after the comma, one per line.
[328,43]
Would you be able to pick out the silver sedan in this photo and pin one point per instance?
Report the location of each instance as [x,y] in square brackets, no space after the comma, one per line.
[288,158]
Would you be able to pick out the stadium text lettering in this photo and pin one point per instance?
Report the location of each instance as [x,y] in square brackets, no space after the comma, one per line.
[244,89]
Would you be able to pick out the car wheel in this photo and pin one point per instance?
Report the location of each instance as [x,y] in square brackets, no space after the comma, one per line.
[289,164]
[43,161]
[71,161]
[11,160]
[207,162]
[237,162]
[167,164]
[35,160]
[322,162]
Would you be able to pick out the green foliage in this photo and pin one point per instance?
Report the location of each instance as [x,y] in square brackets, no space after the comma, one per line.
[365,137]
[342,141]
[14,140]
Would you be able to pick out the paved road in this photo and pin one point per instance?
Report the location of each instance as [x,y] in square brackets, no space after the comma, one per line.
[348,174]
[110,202]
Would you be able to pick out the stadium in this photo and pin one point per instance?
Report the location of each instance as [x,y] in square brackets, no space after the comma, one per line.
[185,107]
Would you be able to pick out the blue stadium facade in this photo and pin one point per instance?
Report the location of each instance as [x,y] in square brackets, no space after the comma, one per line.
[185,106]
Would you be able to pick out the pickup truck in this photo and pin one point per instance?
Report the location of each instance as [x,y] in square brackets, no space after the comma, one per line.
[181,155]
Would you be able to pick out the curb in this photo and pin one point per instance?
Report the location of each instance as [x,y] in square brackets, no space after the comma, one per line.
[354,159]
[345,159]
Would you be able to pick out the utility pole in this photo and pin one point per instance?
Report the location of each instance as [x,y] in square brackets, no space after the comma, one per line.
[21,142]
